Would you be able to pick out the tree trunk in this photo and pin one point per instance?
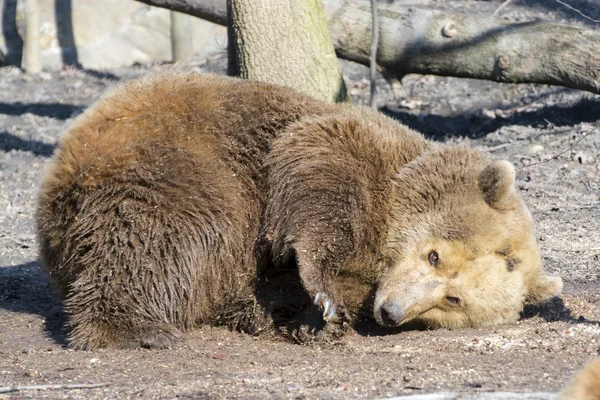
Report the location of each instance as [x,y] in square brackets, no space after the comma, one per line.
[414,40]
[32,56]
[286,42]
[182,44]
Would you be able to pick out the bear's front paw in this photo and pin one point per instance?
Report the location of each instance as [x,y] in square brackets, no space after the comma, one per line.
[327,321]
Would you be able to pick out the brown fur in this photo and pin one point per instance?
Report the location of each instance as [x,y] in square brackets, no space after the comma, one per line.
[465,208]
[183,199]
[585,385]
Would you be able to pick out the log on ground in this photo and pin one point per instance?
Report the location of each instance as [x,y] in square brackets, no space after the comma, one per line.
[422,41]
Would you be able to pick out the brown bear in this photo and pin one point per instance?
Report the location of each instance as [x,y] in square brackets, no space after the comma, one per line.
[585,385]
[185,198]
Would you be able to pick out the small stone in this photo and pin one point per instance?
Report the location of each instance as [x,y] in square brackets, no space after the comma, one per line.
[536,149]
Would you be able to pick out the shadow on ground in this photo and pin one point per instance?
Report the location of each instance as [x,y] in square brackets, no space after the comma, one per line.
[9,142]
[27,289]
[476,125]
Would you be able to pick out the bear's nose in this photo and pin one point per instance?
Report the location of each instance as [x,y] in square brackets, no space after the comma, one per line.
[391,314]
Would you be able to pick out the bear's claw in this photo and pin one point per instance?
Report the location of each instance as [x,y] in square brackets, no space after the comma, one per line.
[325,305]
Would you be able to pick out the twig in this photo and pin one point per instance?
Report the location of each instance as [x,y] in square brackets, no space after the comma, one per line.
[373,58]
[494,148]
[577,11]
[507,2]
[554,157]
[17,388]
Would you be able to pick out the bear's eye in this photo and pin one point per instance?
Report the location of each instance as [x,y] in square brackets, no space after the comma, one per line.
[453,301]
[433,258]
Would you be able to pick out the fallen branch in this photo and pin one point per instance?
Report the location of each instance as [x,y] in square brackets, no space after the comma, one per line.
[210,10]
[17,388]
[436,42]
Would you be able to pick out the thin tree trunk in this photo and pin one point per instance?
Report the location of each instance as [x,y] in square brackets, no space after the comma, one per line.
[32,57]
[287,42]
[182,44]
[414,40]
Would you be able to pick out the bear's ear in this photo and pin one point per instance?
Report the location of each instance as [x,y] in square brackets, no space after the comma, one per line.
[496,181]
[545,288]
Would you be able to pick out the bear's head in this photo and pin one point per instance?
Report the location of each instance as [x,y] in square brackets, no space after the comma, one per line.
[460,248]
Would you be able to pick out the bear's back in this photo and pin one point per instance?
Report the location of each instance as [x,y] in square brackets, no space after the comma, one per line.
[205,116]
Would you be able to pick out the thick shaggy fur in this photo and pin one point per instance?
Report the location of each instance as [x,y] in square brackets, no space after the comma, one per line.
[585,385]
[182,199]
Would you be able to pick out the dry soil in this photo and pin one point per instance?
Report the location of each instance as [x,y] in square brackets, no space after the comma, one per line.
[547,132]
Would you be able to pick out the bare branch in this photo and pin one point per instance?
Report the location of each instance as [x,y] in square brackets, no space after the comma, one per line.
[577,11]
[17,388]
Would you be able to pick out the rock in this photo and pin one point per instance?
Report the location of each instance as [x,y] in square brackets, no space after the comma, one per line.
[536,149]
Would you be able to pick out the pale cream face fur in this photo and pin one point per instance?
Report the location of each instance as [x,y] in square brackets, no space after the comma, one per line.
[585,385]
[481,278]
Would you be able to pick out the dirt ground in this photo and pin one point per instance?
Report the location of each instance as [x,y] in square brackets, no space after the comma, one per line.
[525,124]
